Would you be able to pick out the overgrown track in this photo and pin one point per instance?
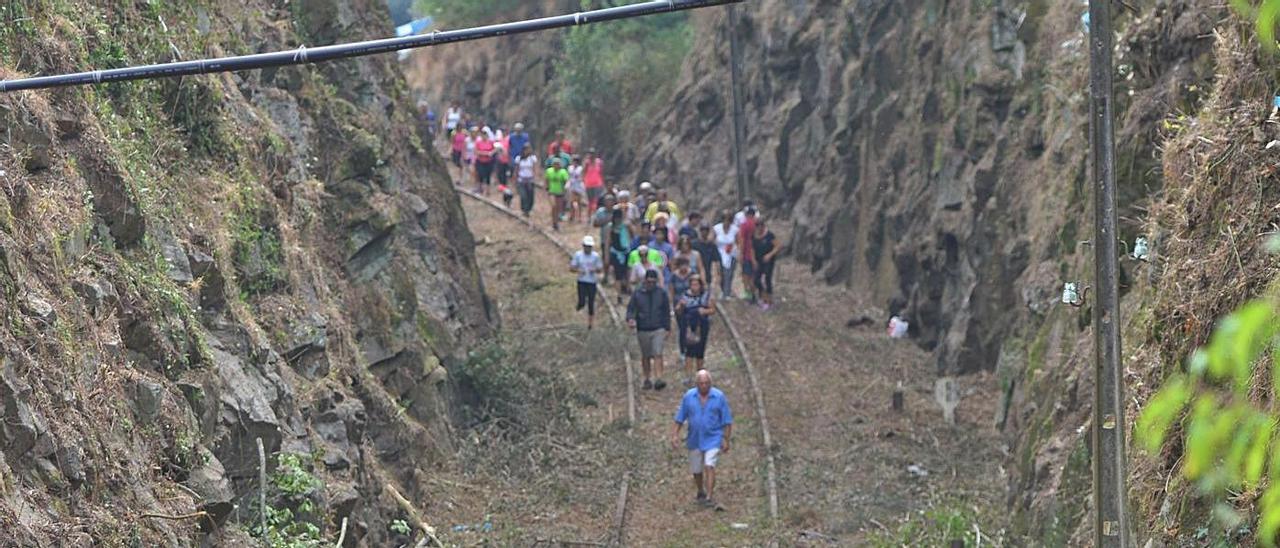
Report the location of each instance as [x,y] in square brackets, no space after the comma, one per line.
[757,395]
[613,311]
[737,347]
[616,537]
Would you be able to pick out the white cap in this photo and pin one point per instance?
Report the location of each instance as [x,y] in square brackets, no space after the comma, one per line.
[646,185]
[519,125]
[643,249]
[588,241]
[624,194]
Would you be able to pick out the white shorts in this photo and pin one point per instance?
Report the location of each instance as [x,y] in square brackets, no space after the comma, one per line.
[699,459]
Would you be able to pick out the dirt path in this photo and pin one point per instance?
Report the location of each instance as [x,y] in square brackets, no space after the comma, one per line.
[843,454]
[529,281]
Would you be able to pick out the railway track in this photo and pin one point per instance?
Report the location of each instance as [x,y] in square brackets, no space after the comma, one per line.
[617,536]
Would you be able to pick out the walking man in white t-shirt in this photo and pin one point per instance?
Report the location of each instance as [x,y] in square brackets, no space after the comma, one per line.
[588,265]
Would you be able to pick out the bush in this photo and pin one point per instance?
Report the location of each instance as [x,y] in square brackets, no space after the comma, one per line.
[618,75]
[286,528]
[516,396]
[938,525]
[1228,442]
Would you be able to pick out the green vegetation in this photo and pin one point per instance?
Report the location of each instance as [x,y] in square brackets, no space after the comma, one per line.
[616,76]
[938,526]
[1221,405]
[285,528]
[462,13]
[498,386]
[1265,15]
[500,389]
[259,259]
[621,74]
[400,527]
[292,479]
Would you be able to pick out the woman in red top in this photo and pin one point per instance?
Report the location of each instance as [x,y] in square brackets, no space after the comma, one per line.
[593,178]
[563,144]
[484,163]
[459,144]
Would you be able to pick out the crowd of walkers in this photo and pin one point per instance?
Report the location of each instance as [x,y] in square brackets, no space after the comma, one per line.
[665,263]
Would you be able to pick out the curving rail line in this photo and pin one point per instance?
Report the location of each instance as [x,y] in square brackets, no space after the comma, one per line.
[738,348]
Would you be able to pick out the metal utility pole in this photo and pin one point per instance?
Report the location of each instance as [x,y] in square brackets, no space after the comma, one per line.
[739,127]
[321,54]
[1110,518]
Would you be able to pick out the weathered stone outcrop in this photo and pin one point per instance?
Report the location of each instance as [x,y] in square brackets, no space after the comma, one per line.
[190,266]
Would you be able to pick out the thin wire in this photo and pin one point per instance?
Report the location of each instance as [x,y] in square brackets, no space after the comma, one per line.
[355,49]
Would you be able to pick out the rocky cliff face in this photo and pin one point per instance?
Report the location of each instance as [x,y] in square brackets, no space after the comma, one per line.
[190,266]
[930,154]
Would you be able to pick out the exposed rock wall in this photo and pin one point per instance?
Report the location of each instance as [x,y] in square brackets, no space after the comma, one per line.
[191,265]
[930,154]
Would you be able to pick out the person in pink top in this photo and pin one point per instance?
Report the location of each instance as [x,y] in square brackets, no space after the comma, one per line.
[746,234]
[484,163]
[593,178]
[459,145]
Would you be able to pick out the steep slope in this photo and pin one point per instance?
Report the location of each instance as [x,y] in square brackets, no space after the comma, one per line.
[191,265]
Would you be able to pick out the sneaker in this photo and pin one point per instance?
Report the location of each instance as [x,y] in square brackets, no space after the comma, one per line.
[687,382]
[764,306]
[659,384]
[647,384]
[702,497]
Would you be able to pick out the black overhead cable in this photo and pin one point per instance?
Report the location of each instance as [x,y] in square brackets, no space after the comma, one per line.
[304,55]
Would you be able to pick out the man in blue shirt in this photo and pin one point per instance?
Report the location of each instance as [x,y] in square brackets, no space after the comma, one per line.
[519,138]
[710,427]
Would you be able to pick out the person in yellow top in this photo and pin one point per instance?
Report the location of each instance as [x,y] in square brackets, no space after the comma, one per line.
[662,199]
[665,210]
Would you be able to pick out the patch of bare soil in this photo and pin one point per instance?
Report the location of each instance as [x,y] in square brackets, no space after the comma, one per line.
[849,465]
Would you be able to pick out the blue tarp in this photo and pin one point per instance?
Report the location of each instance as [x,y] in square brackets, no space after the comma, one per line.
[413,27]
